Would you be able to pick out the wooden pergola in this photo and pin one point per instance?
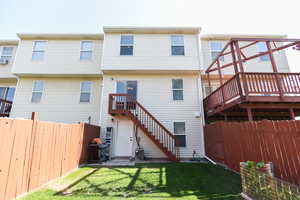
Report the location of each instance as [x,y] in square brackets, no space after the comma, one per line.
[269,93]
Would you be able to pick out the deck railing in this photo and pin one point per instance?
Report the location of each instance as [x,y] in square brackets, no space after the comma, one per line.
[247,84]
[5,108]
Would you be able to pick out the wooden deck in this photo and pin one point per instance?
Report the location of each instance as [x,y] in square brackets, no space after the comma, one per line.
[268,93]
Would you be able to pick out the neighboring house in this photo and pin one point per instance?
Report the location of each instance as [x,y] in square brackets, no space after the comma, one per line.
[59,76]
[212,44]
[7,80]
[127,79]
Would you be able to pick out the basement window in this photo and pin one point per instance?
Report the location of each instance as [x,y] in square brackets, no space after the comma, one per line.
[177,45]
[85,91]
[37,91]
[126,48]
[179,133]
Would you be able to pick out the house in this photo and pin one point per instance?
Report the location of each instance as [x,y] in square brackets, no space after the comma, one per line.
[142,85]
[7,80]
[160,68]
[59,76]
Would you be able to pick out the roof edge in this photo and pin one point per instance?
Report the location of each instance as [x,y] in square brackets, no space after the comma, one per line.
[229,36]
[153,30]
[58,36]
[9,42]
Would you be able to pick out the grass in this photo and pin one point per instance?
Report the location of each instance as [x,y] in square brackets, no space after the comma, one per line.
[167,181]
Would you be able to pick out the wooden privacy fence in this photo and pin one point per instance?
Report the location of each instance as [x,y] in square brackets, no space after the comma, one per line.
[270,141]
[34,152]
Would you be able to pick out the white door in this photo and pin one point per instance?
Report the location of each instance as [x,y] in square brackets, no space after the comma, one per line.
[124,138]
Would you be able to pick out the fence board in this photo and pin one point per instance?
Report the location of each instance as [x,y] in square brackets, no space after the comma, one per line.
[269,141]
[34,152]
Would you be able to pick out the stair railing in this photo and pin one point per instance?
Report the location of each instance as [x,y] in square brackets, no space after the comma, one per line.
[125,104]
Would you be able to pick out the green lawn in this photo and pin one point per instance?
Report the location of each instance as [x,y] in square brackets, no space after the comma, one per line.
[146,181]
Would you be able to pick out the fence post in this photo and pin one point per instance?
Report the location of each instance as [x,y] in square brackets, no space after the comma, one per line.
[32,144]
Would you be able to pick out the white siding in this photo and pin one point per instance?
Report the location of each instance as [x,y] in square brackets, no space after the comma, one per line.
[254,65]
[5,70]
[150,51]
[60,100]
[61,58]
[155,94]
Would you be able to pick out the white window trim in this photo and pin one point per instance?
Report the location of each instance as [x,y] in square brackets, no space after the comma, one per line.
[170,38]
[211,50]
[185,127]
[133,44]
[12,53]
[90,100]
[92,50]
[33,43]
[42,91]
[177,89]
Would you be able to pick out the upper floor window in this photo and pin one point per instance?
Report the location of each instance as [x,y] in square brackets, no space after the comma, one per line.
[37,91]
[215,49]
[38,50]
[126,47]
[85,91]
[7,53]
[262,47]
[177,87]
[177,42]
[86,50]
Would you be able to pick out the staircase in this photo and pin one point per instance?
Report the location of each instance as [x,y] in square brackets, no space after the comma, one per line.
[124,104]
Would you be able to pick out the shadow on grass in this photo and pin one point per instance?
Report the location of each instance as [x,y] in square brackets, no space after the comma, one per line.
[169,180]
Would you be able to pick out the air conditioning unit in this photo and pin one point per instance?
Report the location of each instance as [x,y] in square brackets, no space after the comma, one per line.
[3,61]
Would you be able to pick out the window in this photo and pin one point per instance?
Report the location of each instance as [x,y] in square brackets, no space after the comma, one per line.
[7,93]
[37,91]
[86,50]
[127,87]
[177,87]
[179,133]
[7,53]
[215,49]
[177,47]
[38,50]
[126,48]
[85,91]
[262,47]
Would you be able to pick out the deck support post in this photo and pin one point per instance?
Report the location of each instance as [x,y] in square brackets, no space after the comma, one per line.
[249,112]
[292,113]
[274,68]
[225,117]
[240,62]
[236,69]
[221,81]
[209,84]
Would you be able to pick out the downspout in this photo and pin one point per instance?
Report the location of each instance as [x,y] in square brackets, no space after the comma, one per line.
[200,97]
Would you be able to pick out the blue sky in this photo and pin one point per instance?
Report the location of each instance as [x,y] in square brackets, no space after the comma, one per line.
[214,16]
